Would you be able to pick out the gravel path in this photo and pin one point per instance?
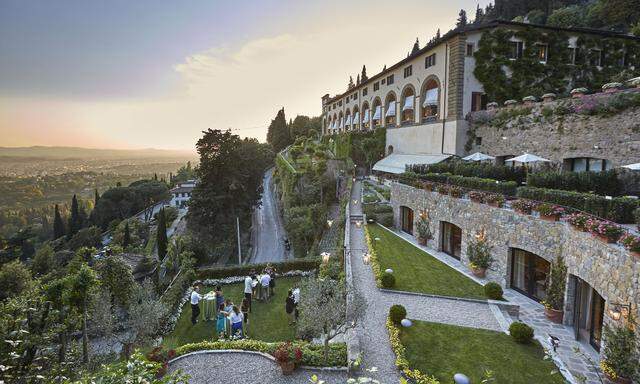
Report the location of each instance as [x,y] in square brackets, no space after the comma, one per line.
[240,367]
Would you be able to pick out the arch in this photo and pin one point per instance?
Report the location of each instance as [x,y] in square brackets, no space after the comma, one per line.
[355,118]
[390,109]
[406,219]
[366,115]
[376,112]
[430,94]
[340,123]
[451,239]
[389,150]
[347,120]
[408,104]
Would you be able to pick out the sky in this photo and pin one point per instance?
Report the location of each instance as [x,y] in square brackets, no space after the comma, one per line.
[156,73]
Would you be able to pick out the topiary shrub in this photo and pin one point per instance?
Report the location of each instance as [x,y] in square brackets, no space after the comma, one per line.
[521,332]
[388,280]
[493,290]
[396,313]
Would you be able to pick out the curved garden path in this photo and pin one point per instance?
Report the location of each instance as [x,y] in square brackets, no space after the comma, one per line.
[229,367]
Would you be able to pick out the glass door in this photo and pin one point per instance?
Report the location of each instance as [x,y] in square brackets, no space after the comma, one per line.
[597,315]
[407,220]
[452,240]
[529,274]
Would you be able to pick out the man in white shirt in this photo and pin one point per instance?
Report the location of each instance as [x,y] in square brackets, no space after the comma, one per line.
[265,279]
[248,289]
[195,304]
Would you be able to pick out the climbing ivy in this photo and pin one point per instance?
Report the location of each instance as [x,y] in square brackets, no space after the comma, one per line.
[528,76]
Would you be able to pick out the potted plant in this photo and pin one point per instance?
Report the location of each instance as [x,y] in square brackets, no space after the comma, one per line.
[632,243]
[554,303]
[476,196]
[494,200]
[550,212]
[443,189]
[479,253]
[424,232]
[578,221]
[523,206]
[620,355]
[455,191]
[605,230]
[287,357]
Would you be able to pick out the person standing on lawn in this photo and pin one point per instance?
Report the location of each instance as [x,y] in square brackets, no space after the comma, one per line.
[245,308]
[290,307]
[271,271]
[221,321]
[236,322]
[195,304]
[248,290]
[219,297]
[265,280]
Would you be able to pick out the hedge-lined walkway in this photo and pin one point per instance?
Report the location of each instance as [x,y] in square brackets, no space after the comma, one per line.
[243,367]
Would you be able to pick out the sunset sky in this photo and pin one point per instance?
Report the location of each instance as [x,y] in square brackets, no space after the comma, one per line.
[150,73]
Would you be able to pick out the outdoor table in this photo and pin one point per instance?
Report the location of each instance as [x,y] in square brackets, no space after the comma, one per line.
[209,304]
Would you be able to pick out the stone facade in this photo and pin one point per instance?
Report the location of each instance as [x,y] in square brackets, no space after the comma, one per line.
[455,97]
[608,268]
[615,138]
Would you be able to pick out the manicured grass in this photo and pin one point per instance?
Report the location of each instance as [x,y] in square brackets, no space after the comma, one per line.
[267,321]
[418,271]
[443,350]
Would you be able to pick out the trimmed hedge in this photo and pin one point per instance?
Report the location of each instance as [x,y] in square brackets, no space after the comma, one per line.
[481,170]
[381,213]
[245,269]
[601,183]
[312,354]
[477,183]
[521,332]
[618,209]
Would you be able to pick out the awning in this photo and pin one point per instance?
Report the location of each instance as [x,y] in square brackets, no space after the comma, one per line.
[333,124]
[356,118]
[478,156]
[408,103]
[378,113]
[341,123]
[430,97]
[348,122]
[391,109]
[366,116]
[633,167]
[396,163]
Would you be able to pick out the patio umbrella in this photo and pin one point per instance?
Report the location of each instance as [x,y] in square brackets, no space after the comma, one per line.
[478,156]
[633,167]
[528,158]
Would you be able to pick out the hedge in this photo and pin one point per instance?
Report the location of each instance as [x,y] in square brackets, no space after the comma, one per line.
[601,183]
[312,354]
[241,270]
[617,209]
[481,170]
[381,213]
[477,183]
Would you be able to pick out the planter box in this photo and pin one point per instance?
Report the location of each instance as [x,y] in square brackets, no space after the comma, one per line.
[287,368]
[549,217]
[635,254]
[553,315]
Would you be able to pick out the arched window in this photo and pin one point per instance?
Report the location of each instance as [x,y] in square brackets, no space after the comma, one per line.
[355,118]
[390,110]
[377,113]
[390,150]
[366,116]
[408,106]
[340,122]
[347,120]
[430,100]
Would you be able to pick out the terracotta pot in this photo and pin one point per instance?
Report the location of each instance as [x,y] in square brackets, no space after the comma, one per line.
[619,380]
[549,217]
[287,368]
[479,272]
[554,315]
[605,239]
[422,241]
[635,253]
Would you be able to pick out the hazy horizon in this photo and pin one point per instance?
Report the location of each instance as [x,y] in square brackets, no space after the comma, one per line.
[147,74]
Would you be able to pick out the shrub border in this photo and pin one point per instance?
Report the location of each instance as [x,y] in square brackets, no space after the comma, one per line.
[401,357]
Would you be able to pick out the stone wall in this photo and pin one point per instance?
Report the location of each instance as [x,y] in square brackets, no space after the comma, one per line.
[456,77]
[615,138]
[610,269]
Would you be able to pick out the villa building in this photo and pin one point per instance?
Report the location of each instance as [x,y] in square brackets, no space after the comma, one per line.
[181,194]
[424,99]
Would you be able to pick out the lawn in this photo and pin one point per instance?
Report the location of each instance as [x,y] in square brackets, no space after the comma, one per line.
[267,321]
[418,271]
[443,350]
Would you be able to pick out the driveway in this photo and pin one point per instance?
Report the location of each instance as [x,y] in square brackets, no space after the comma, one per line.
[268,230]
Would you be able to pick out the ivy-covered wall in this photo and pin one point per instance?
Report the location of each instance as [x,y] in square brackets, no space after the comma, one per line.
[504,78]
[364,148]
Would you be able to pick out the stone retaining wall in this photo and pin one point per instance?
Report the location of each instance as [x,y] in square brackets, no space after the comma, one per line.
[610,269]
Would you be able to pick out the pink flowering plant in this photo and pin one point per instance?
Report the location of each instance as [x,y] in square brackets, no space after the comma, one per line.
[578,220]
[547,209]
[607,229]
[523,205]
[631,242]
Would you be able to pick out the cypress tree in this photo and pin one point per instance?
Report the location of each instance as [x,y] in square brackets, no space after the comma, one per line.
[363,75]
[278,133]
[126,238]
[58,225]
[462,18]
[96,197]
[74,219]
[161,235]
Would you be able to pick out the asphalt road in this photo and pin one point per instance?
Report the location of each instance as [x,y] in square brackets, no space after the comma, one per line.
[268,231]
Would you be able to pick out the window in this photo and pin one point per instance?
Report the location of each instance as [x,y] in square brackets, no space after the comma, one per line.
[340,103]
[595,57]
[582,164]
[383,81]
[365,91]
[516,48]
[376,86]
[430,61]
[478,101]
[470,50]
[407,71]
[354,96]
[478,140]
[543,52]
[529,274]
[389,79]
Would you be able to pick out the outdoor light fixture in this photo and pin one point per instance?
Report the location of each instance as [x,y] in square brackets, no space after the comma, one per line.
[618,310]
[329,223]
[358,223]
[355,201]
[480,235]
[366,258]
[325,257]
[504,137]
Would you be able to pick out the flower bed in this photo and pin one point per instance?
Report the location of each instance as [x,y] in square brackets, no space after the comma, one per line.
[401,359]
[607,231]
[523,206]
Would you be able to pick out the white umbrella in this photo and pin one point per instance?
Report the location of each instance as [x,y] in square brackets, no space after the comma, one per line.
[633,167]
[478,156]
[529,158]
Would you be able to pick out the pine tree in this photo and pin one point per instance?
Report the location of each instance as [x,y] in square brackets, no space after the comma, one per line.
[58,225]
[358,80]
[155,176]
[363,75]
[96,197]
[350,85]
[462,18]
[438,33]
[416,47]
[161,235]
[126,238]
[479,15]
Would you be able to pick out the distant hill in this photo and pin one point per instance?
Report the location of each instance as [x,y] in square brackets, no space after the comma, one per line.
[43,152]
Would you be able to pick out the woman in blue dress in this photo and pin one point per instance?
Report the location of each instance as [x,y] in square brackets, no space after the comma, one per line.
[221,321]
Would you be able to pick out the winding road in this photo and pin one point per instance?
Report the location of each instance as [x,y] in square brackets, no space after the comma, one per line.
[267,229]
